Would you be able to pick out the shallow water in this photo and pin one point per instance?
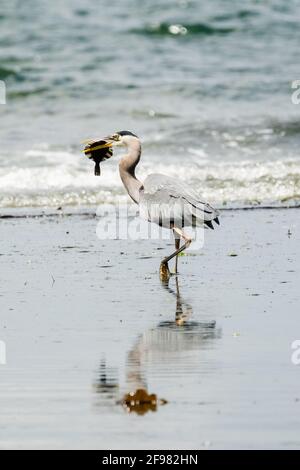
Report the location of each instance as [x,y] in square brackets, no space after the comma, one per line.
[86,322]
[205,84]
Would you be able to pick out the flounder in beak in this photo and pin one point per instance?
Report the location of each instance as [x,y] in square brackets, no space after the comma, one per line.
[98,151]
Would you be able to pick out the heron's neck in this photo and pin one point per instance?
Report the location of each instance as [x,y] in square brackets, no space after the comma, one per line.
[127,168]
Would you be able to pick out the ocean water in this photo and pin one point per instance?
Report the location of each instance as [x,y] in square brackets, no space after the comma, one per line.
[207,85]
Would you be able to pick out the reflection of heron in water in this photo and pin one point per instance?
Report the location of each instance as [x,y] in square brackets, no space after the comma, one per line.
[106,383]
[182,314]
[162,345]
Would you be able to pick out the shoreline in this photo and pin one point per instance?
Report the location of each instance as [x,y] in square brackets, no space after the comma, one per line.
[69,211]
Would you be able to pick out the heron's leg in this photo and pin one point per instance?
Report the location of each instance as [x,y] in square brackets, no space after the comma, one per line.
[164,269]
[177,246]
[182,235]
[176,253]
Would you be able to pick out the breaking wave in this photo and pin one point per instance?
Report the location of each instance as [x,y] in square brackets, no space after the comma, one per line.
[56,178]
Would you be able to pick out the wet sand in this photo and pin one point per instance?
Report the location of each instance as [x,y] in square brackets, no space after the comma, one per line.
[87,321]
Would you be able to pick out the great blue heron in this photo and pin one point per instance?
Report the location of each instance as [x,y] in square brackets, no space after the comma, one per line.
[163,200]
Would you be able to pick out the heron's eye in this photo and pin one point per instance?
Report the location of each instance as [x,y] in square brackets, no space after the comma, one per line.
[116,137]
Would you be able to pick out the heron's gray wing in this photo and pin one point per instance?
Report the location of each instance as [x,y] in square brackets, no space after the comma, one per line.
[162,194]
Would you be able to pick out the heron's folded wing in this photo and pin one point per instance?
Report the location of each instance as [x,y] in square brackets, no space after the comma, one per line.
[164,190]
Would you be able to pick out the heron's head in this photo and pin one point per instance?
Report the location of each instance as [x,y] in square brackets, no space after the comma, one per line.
[122,139]
[100,150]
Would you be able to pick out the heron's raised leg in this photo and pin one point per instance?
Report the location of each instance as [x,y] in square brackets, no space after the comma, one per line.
[164,268]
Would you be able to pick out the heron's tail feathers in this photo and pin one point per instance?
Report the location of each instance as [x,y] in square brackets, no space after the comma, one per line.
[209,224]
[205,214]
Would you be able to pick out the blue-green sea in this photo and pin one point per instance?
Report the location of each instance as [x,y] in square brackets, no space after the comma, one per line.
[206,84]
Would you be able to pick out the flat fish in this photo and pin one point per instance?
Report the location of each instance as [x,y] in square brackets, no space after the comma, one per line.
[98,151]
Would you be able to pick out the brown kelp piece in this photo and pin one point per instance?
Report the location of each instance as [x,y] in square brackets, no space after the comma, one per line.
[141,402]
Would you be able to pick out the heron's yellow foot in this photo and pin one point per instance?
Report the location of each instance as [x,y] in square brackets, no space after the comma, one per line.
[164,271]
